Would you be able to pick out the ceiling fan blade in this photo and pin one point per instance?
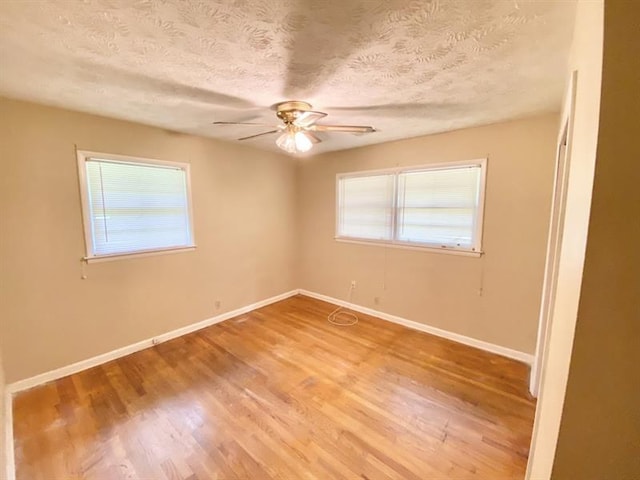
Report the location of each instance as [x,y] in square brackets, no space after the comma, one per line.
[312,137]
[243,123]
[342,128]
[259,134]
[308,118]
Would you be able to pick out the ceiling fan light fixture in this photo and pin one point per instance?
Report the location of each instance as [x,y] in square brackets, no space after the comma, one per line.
[303,142]
[287,142]
[293,141]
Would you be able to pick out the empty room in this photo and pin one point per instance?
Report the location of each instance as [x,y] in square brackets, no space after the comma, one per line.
[285,240]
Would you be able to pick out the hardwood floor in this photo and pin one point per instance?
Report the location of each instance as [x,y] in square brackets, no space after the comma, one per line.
[281,393]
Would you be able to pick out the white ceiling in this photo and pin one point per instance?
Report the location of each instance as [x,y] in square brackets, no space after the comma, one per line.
[407,67]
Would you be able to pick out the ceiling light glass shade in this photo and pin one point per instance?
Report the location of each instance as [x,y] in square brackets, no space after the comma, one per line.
[303,142]
[287,142]
[293,141]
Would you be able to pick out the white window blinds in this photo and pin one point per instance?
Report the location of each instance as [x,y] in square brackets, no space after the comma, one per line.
[366,207]
[437,206]
[135,207]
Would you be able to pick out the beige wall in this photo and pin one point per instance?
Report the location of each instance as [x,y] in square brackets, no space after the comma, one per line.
[247,207]
[600,428]
[244,208]
[442,290]
[3,452]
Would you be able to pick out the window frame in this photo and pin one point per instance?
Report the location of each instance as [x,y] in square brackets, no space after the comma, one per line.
[474,251]
[85,155]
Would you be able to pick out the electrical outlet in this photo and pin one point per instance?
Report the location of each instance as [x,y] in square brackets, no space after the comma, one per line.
[217,304]
[353,284]
[376,300]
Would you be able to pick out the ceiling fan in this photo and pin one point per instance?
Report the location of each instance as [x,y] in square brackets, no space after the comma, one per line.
[298,126]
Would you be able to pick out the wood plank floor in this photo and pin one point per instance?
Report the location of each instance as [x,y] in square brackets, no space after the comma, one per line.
[281,393]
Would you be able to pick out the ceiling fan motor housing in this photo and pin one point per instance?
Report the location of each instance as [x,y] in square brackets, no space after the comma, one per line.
[289,111]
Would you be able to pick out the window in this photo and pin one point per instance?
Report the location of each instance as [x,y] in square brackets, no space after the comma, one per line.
[133,205]
[436,206]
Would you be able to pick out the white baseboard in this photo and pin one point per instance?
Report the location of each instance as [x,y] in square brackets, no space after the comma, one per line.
[149,342]
[10,470]
[42,378]
[456,337]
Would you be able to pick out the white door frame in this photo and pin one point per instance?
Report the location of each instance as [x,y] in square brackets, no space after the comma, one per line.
[554,240]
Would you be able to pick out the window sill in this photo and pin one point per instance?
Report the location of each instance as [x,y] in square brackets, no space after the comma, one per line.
[448,251]
[145,253]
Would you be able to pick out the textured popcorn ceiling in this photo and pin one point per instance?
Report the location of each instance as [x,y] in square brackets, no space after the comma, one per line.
[408,67]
